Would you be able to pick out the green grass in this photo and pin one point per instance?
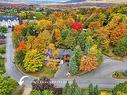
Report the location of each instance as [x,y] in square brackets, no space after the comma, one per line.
[84,92]
[2,67]
[2,49]
[44,72]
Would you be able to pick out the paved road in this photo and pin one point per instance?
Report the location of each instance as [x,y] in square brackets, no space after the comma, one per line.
[101,76]
[11,69]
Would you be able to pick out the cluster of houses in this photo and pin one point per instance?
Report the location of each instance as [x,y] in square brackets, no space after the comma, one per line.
[8,20]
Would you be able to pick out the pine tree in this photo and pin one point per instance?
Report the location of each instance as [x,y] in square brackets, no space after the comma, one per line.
[66,90]
[75,90]
[96,90]
[91,89]
[75,60]
[73,68]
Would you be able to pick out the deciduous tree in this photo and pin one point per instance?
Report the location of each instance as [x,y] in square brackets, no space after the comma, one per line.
[88,63]
[33,61]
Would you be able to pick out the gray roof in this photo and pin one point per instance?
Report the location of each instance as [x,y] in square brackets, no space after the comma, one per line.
[8,17]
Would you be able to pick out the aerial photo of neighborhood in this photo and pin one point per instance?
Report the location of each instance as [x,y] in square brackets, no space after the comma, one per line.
[63,47]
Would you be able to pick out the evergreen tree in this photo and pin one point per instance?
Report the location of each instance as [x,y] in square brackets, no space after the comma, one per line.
[75,60]
[71,40]
[96,90]
[66,90]
[75,90]
[89,42]
[91,89]
[73,68]
[78,53]
[121,47]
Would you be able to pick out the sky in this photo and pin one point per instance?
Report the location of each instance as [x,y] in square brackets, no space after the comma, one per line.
[37,0]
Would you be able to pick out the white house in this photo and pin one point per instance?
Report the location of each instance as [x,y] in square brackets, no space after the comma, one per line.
[8,20]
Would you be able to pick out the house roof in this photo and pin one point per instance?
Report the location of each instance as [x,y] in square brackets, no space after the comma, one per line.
[8,17]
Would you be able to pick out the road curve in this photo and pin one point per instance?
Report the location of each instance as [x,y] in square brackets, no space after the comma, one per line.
[101,76]
[11,69]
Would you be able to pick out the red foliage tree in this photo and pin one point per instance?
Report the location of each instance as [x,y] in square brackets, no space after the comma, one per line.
[77,26]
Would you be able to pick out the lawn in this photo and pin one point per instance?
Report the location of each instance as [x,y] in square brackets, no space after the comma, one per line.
[2,49]
[2,59]
[102,92]
[45,72]
[2,67]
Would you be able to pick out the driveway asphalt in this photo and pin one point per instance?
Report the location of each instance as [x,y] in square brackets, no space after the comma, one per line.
[102,76]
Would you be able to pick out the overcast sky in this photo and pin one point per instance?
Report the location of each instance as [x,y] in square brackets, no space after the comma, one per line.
[38,0]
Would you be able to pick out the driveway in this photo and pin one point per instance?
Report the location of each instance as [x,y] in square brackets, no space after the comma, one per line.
[101,76]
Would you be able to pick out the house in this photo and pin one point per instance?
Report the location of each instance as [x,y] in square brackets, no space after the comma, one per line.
[9,20]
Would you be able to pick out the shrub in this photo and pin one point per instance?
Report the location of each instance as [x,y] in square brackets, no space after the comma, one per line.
[7,85]
[121,87]
[43,84]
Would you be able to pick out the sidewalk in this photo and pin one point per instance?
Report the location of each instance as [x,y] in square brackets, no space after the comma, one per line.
[27,91]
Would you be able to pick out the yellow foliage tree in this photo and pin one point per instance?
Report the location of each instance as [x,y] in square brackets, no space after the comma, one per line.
[42,41]
[52,65]
[33,61]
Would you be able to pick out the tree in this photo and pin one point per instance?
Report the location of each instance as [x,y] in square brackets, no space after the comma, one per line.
[89,43]
[94,51]
[71,40]
[91,90]
[120,48]
[7,85]
[75,90]
[75,60]
[88,63]
[73,68]
[120,88]
[17,34]
[19,57]
[82,38]
[35,92]
[47,92]
[77,26]
[57,35]
[33,61]
[96,90]
[66,90]
[64,34]
[118,33]
[42,41]
[43,25]
[3,29]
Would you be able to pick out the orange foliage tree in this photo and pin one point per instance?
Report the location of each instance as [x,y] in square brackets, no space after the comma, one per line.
[57,35]
[42,41]
[17,34]
[118,32]
[94,25]
[21,46]
[88,63]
